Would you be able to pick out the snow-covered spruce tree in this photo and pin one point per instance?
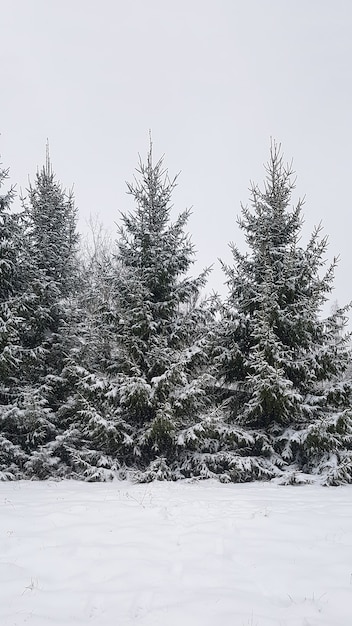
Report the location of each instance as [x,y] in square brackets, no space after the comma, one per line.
[12,457]
[51,245]
[156,374]
[16,427]
[284,404]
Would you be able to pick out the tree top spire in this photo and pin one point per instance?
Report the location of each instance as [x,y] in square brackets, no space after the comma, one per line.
[48,169]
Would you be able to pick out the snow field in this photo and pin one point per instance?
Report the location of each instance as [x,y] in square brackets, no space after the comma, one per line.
[175,554]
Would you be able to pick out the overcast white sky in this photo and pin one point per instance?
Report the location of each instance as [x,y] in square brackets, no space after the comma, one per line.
[212,79]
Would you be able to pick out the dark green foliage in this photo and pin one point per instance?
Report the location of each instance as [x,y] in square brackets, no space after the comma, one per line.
[48,333]
[115,367]
[279,364]
[159,360]
[12,355]
[52,223]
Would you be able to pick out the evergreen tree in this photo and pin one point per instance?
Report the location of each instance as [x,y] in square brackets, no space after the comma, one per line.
[279,365]
[51,243]
[14,302]
[157,366]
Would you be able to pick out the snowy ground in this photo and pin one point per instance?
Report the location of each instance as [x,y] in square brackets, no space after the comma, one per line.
[179,554]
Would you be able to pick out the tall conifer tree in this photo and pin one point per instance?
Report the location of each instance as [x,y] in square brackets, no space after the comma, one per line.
[51,244]
[279,364]
[12,457]
[159,322]
[19,430]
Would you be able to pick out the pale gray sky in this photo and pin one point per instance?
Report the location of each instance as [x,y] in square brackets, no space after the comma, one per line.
[212,79]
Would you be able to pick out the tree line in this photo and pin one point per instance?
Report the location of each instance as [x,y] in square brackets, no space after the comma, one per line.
[114,364]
